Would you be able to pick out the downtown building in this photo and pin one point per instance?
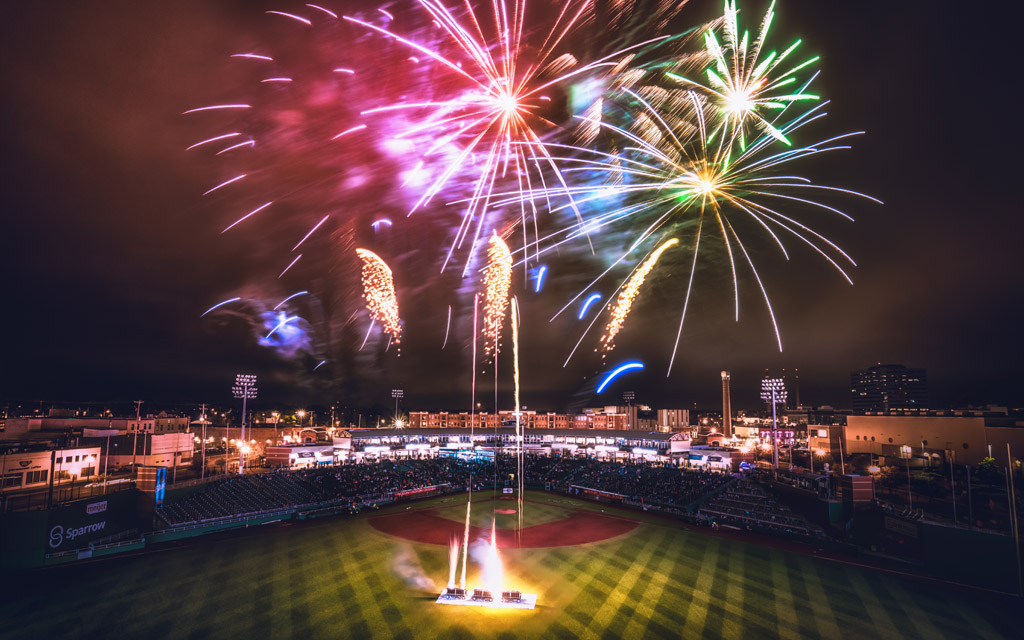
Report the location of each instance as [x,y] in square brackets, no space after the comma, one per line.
[613,418]
[889,387]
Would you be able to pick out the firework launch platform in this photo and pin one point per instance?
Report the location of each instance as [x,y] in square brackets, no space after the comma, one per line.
[481,598]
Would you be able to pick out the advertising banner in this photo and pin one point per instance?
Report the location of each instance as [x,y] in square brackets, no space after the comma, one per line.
[76,525]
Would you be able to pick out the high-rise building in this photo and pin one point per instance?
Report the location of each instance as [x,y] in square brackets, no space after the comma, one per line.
[889,387]
[726,406]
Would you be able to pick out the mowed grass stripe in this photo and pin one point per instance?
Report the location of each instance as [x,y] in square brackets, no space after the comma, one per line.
[375,595]
[299,610]
[978,625]
[592,593]
[717,606]
[948,619]
[222,573]
[636,608]
[609,617]
[326,572]
[902,611]
[261,607]
[696,614]
[735,593]
[644,622]
[824,620]
[797,567]
[656,581]
[786,620]
[884,625]
[921,620]
[843,601]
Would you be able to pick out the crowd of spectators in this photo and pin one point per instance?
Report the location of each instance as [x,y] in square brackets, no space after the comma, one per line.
[750,506]
[717,498]
[386,476]
[642,482]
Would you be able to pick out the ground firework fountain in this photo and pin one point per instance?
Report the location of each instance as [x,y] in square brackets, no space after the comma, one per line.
[492,591]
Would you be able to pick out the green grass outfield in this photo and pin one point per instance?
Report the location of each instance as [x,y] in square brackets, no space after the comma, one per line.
[341,578]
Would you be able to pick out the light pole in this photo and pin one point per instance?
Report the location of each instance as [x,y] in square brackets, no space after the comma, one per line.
[202,420]
[135,441]
[874,470]
[397,394]
[906,451]
[245,388]
[773,391]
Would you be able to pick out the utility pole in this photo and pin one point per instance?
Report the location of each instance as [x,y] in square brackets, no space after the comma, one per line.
[952,484]
[970,499]
[202,419]
[910,492]
[138,425]
[106,460]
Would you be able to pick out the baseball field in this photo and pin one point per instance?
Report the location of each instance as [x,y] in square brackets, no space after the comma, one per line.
[599,572]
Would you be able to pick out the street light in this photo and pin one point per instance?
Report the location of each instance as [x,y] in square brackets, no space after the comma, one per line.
[773,391]
[873,470]
[245,388]
[906,451]
[204,422]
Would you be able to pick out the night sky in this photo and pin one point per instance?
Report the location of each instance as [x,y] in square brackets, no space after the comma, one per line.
[111,253]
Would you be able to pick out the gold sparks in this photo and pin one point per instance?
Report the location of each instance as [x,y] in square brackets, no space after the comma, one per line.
[625,300]
[379,292]
[497,282]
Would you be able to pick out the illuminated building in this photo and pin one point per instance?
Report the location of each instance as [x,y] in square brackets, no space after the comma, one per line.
[24,466]
[610,417]
[889,387]
[674,420]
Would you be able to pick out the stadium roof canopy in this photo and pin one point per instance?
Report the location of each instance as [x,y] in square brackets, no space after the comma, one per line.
[358,434]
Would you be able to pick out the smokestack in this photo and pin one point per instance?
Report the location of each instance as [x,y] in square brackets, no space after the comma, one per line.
[726,406]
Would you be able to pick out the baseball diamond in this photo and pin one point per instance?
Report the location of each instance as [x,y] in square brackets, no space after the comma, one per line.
[377,574]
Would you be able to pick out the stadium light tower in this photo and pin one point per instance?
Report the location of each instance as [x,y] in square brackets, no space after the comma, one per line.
[245,388]
[773,391]
[397,394]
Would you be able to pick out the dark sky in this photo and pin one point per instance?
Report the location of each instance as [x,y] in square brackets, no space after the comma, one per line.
[111,254]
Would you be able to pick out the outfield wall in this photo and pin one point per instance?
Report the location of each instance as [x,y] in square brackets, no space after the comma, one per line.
[28,537]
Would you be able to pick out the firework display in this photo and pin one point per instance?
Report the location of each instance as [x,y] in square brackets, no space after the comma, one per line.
[379,292]
[486,125]
[593,126]
[628,294]
[497,283]
[742,84]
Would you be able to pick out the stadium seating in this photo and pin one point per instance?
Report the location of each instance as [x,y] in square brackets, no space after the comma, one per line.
[716,497]
[748,505]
